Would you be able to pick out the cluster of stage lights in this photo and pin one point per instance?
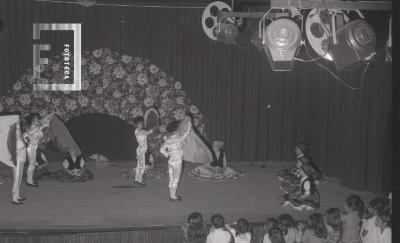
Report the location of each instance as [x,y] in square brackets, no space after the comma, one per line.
[348,44]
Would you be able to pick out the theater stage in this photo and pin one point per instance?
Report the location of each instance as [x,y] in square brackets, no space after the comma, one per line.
[103,203]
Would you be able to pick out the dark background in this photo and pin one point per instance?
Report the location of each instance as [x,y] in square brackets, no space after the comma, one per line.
[349,130]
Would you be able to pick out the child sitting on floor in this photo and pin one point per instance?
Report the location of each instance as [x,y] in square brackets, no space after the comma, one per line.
[300,150]
[216,170]
[240,231]
[333,225]
[195,230]
[316,231]
[218,233]
[354,208]
[268,225]
[306,197]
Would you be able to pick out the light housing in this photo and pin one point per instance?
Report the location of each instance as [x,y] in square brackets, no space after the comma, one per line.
[356,43]
[281,40]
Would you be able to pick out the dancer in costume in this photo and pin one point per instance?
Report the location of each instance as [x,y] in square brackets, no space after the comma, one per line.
[300,150]
[218,169]
[307,196]
[32,137]
[292,183]
[141,137]
[172,148]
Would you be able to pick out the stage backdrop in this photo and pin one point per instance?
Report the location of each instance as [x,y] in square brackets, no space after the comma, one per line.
[260,114]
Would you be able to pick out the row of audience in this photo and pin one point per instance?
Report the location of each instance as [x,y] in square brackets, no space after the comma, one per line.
[355,225]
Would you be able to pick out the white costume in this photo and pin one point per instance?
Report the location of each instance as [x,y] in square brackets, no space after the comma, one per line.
[173,148]
[33,136]
[141,137]
[7,123]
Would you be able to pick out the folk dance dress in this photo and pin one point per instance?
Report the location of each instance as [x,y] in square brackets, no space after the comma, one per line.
[216,170]
[292,184]
[307,195]
[172,148]
[141,137]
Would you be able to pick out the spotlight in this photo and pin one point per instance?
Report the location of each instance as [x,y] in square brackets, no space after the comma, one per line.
[281,40]
[356,43]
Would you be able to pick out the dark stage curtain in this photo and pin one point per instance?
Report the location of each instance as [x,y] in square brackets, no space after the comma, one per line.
[260,114]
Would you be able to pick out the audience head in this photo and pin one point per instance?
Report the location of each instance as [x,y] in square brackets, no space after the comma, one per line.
[317,225]
[217,220]
[301,149]
[276,235]
[243,226]
[383,218]
[173,127]
[333,218]
[270,223]
[354,203]
[285,222]
[197,230]
[374,205]
[138,121]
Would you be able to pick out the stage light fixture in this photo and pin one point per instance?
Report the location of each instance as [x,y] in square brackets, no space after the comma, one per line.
[281,40]
[319,24]
[356,43]
[227,33]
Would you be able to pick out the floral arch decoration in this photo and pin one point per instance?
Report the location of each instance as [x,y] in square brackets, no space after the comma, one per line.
[112,83]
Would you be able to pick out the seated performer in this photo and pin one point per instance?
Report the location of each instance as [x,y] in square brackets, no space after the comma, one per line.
[32,137]
[307,196]
[218,169]
[141,137]
[172,149]
[300,150]
[310,168]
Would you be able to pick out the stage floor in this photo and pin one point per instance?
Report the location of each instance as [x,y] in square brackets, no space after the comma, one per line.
[101,203]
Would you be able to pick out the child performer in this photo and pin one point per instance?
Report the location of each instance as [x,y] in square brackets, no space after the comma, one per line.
[216,170]
[172,149]
[307,196]
[300,150]
[141,137]
[32,137]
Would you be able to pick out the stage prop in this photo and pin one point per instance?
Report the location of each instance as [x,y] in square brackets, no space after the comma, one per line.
[113,84]
[196,148]
[12,150]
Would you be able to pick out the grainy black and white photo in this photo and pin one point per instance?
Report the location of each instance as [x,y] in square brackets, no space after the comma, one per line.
[198,121]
